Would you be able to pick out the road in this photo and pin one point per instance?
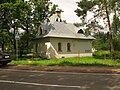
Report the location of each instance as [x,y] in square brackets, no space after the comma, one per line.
[37,80]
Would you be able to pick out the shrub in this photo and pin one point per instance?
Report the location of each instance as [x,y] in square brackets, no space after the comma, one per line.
[101,54]
[117,55]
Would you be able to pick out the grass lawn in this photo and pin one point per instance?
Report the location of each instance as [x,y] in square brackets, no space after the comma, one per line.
[82,61]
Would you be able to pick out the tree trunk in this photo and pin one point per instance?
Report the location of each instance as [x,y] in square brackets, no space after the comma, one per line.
[3,45]
[110,32]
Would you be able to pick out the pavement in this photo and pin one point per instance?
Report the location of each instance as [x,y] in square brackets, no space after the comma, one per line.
[45,80]
[77,69]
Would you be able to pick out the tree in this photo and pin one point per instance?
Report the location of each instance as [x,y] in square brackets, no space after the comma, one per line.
[22,19]
[102,9]
[33,14]
[101,42]
[5,20]
[4,1]
[22,15]
[43,9]
[116,25]
[116,32]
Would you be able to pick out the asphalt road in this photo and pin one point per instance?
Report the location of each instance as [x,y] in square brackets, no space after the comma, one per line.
[36,80]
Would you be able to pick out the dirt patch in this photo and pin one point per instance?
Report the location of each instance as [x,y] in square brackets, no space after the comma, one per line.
[79,69]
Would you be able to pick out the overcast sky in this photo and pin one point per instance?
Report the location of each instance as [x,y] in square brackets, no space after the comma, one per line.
[68,6]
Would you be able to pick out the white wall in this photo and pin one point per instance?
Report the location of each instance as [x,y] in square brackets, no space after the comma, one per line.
[78,47]
[82,47]
[41,47]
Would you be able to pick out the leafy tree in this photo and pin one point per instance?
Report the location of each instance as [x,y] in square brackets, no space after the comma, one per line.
[4,1]
[116,32]
[17,14]
[42,10]
[22,19]
[101,42]
[101,10]
[116,25]
[32,15]
[5,19]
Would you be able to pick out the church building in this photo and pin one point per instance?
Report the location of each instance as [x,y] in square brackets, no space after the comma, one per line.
[58,39]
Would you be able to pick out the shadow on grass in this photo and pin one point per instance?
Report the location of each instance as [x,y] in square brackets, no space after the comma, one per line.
[67,63]
[31,58]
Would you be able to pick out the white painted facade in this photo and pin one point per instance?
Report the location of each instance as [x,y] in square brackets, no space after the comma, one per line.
[48,47]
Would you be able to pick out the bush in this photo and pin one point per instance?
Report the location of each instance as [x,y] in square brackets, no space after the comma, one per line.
[117,55]
[101,54]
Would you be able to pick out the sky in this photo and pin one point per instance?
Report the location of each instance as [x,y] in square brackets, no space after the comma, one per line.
[68,6]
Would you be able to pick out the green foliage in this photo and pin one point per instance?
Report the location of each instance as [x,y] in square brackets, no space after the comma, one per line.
[5,22]
[82,61]
[117,55]
[101,54]
[116,25]
[116,32]
[42,10]
[18,14]
[9,1]
[101,41]
[99,9]
[116,43]
[84,6]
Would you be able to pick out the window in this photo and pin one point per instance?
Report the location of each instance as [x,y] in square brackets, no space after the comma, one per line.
[57,19]
[40,31]
[68,47]
[80,31]
[59,47]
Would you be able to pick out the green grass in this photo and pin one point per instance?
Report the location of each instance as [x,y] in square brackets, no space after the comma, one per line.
[82,61]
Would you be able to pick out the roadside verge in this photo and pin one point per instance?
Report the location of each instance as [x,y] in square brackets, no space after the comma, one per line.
[78,69]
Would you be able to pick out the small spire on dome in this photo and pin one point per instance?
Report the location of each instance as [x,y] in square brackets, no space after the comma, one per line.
[58,14]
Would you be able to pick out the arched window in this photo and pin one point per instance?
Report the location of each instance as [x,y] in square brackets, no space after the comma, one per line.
[40,31]
[59,47]
[68,47]
[57,19]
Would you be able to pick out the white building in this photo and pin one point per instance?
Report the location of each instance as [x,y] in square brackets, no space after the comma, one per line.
[58,39]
